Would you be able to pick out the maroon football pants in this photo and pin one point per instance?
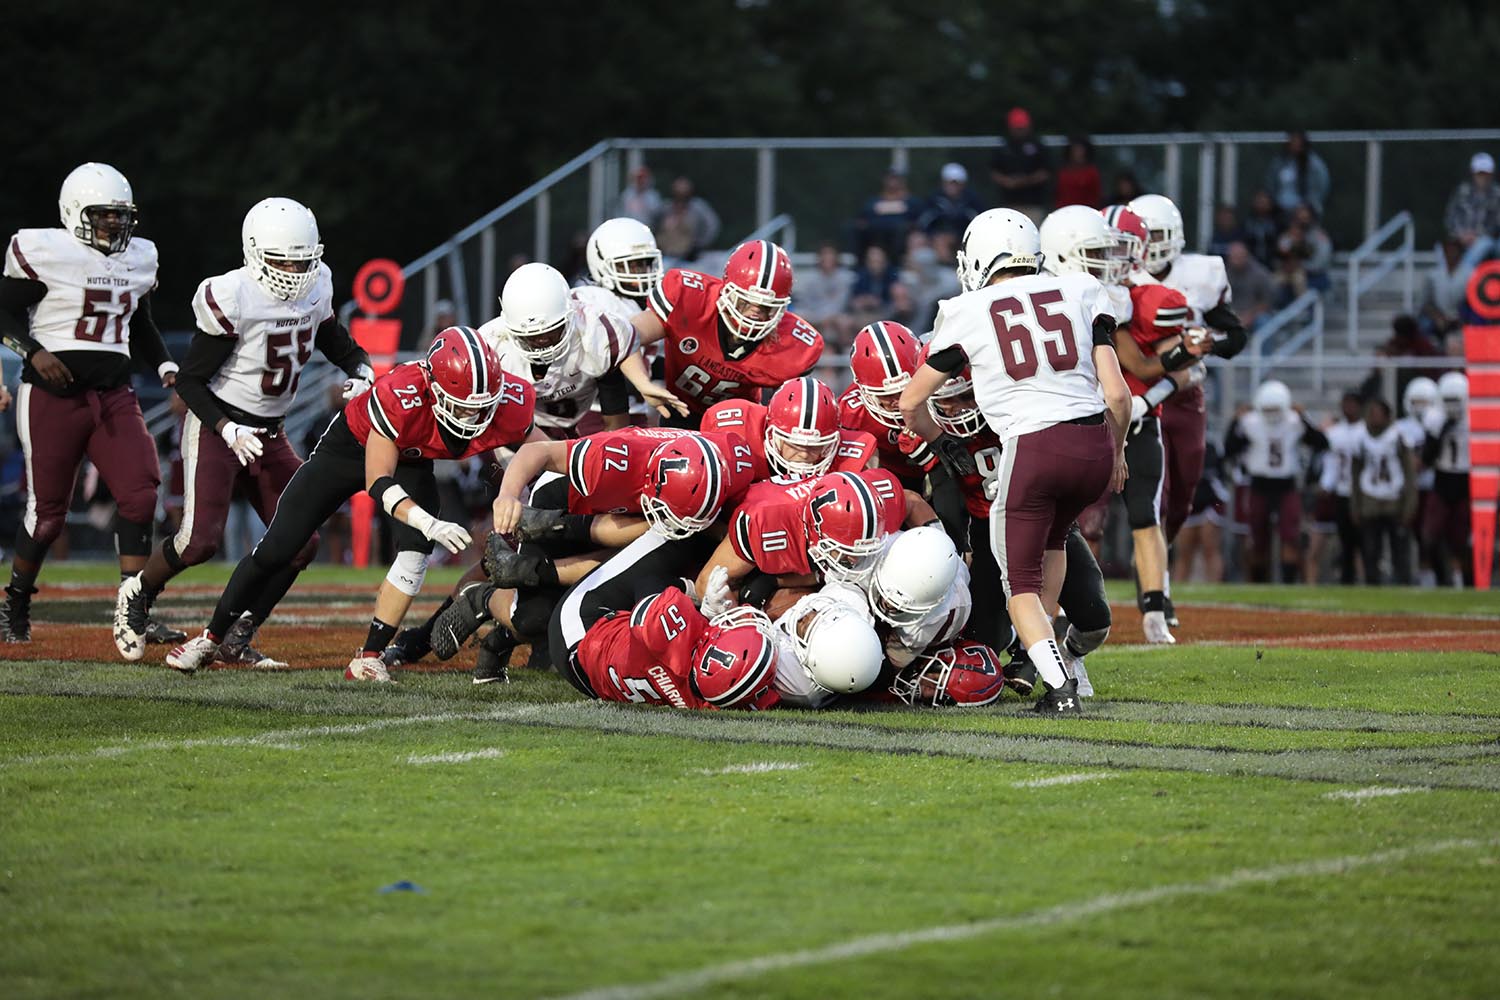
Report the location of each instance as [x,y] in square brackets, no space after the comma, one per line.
[57,433]
[211,474]
[1184,425]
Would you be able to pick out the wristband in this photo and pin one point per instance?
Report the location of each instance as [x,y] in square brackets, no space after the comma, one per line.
[1177,358]
[1159,392]
[388,493]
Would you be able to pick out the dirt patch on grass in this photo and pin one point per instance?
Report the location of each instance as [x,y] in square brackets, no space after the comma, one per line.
[1205,623]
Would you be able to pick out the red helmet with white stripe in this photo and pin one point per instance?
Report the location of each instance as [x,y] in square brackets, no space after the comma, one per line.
[965,675]
[953,405]
[845,524]
[734,666]
[757,289]
[684,489]
[883,359]
[802,428]
[466,380]
[1130,230]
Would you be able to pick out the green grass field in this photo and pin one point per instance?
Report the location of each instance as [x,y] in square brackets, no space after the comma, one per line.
[1293,822]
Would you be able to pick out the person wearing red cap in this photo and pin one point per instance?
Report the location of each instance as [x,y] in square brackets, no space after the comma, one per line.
[1021,167]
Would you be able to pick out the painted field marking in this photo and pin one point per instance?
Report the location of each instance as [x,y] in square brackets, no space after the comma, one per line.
[1066,779]
[759,767]
[488,753]
[1373,792]
[880,944]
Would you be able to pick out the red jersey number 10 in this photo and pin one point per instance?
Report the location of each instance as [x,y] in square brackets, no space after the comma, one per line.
[1020,327]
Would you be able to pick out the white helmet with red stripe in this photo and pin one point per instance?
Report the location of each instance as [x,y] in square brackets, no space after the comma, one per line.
[966,675]
[536,309]
[1164,239]
[845,524]
[883,358]
[953,405]
[734,664]
[757,289]
[802,417]
[1130,229]
[684,489]
[1076,239]
[466,381]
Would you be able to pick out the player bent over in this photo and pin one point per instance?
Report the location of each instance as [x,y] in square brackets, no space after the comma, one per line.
[257,327]
[455,404]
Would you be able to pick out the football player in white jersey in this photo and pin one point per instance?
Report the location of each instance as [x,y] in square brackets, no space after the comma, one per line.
[1337,481]
[1270,438]
[1385,494]
[75,303]
[1445,522]
[1417,400]
[1184,416]
[1045,376]
[624,264]
[257,327]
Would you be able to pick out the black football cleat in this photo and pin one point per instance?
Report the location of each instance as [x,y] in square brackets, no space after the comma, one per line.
[1020,673]
[158,634]
[15,615]
[409,646]
[492,666]
[539,524]
[469,610]
[508,568]
[238,648]
[1060,701]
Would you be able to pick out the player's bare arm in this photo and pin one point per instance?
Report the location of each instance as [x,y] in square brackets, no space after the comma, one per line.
[381,456]
[659,398]
[924,382]
[533,459]
[725,556]
[648,327]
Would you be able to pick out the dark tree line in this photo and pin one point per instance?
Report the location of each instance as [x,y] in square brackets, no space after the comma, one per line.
[400,123]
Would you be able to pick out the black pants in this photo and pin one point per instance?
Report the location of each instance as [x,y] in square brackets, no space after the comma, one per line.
[1377,531]
[333,473]
[1349,541]
[1082,597]
[1146,458]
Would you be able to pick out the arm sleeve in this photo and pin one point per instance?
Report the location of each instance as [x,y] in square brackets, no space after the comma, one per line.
[947,499]
[948,360]
[335,343]
[1224,319]
[16,296]
[1312,437]
[1433,446]
[1235,441]
[146,344]
[206,355]
[1104,330]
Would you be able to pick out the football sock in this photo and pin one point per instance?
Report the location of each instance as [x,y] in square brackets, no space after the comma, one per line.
[22,583]
[1166,578]
[246,585]
[1047,659]
[576,528]
[425,629]
[379,637]
[1153,600]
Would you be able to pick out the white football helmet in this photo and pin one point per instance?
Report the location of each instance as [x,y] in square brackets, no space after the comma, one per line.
[838,647]
[1453,390]
[1274,401]
[97,189]
[996,239]
[1076,239]
[1164,239]
[914,574]
[536,309]
[1420,396]
[623,257]
[280,239]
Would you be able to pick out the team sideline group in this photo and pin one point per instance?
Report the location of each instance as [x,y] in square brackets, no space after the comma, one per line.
[763,542]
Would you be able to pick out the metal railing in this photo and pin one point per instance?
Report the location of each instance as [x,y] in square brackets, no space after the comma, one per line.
[1404,257]
[1262,359]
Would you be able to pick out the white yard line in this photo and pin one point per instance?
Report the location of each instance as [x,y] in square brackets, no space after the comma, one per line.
[759,767]
[1373,792]
[488,753]
[879,944]
[1066,779]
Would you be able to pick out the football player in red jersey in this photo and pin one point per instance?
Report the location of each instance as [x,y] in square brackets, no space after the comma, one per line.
[796,435]
[882,358]
[965,675]
[729,337]
[454,404]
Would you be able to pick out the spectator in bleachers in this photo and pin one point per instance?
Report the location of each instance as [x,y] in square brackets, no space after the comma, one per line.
[887,217]
[1226,230]
[930,275]
[1250,284]
[1261,228]
[1305,254]
[1444,292]
[1125,188]
[821,296]
[1385,495]
[641,201]
[1407,341]
[1299,176]
[870,298]
[687,224]
[1473,213]
[1021,167]
[1078,178]
[953,206]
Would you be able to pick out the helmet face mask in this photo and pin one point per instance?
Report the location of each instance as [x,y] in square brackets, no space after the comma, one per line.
[802,429]
[97,206]
[954,408]
[623,257]
[757,290]
[536,309]
[1164,230]
[466,382]
[684,489]
[963,676]
[282,249]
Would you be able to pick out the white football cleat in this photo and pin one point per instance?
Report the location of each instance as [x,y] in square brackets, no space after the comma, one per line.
[130,618]
[194,654]
[367,668]
[1154,624]
[1074,668]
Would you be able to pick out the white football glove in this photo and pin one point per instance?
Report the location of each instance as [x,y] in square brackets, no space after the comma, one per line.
[453,537]
[244,441]
[716,596]
[1195,376]
[354,386]
[1137,409]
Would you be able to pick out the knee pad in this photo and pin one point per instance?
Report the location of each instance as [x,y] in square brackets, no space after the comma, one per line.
[133,536]
[32,547]
[1081,643]
[306,554]
[408,572]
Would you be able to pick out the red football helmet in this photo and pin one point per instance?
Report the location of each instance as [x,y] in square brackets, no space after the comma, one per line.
[883,359]
[803,415]
[1131,230]
[757,289]
[965,675]
[684,487]
[734,666]
[953,405]
[845,523]
[466,381]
